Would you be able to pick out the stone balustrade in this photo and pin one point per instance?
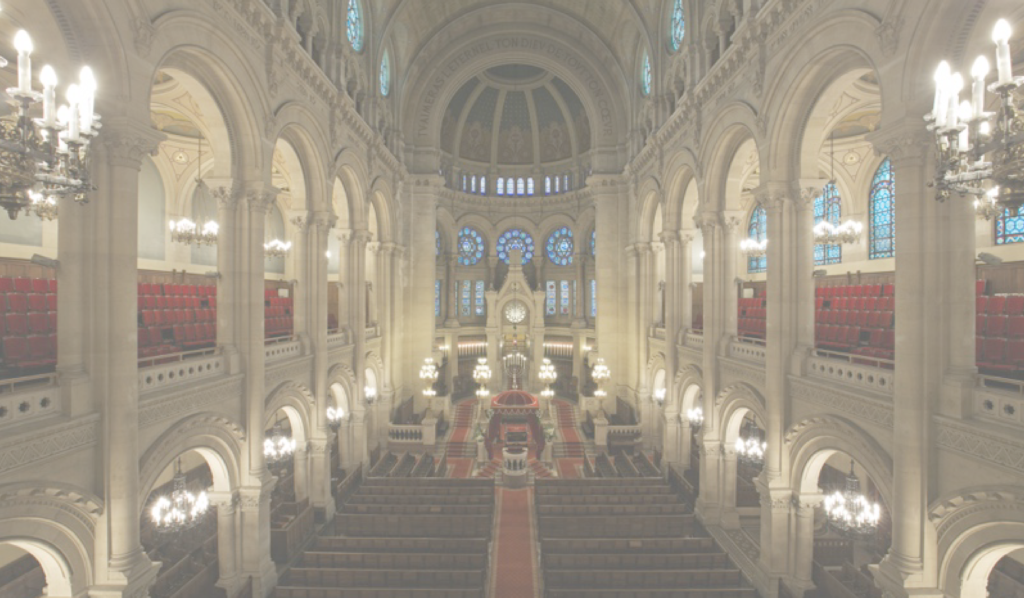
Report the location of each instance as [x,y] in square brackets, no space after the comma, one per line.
[285,348]
[748,349]
[863,372]
[999,400]
[29,398]
[181,368]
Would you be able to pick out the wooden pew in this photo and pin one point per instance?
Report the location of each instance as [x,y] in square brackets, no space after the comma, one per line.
[638,561]
[401,545]
[611,510]
[392,560]
[632,546]
[384,578]
[422,509]
[646,579]
[618,527]
[420,526]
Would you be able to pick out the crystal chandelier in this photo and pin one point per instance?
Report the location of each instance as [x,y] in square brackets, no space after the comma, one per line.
[600,373]
[980,153]
[370,393]
[278,448]
[750,446]
[696,418]
[429,375]
[659,396]
[482,375]
[187,232]
[753,248]
[276,248]
[850,512]
[825,233]
[182,510]
[547,375]
[48,156]
[334,417]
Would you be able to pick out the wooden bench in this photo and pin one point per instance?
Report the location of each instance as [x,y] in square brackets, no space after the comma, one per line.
[401,545]
[294,592]
[646,579]
[417,526]
[422,509]
[651,593]
[411,491]
[631,546]
[607,490]
[606,499]
[612,510]
[461,483]
[417,499]
[385,578]
[638,561]
[619,527]
[393,560]
[291,525]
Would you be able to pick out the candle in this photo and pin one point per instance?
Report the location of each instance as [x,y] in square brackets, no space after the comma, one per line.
[965,115]
[941,80]
[978,72]
[74,116]
[88,85]
[49,80]
[1001,36]
[954,87]
[23,44]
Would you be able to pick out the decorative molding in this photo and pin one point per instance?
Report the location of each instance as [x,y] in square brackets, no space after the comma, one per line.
[157,407]
[23,450]
[733,372]
[978,443]
[866,409]
[948,512]
[888,34]
[298,370]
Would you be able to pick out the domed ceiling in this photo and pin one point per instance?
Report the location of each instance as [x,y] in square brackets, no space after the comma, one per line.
[515,115]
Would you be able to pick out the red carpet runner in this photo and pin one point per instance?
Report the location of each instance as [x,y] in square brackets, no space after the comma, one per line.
[460,452]
[569,466]
[514,558]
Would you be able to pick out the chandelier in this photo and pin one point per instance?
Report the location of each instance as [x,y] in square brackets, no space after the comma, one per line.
[659,396]
[547,375]
[429,375]
[481,375]
[182,510]
[600,373]
[696,418]
[825,233]
[278,448]
[750,446]
[753,248]
[980,153]
[188,232]
[334,417]
[850,512]
[370,393]
[48,156]
[276,248]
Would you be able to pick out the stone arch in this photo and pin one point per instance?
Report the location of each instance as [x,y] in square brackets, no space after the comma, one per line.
[735,127]
[812,441]
[682,170]
[973,531]
[342,375]
[375,365]
[218,439]
[732,404]
[298,404]
[56,524]
[384,206]
[350,186]
[688,385]
[299,128]
[651,199]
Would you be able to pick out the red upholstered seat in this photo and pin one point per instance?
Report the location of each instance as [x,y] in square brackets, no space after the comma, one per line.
[1015,327]
[993,354]
[15,350]
[1014,305]
[53,320]
[38,323]
[39,285]
[889,290]
[1015,353]
[995,326]
[17,324]
[979,287]
[17,302]
[52,285]
[979,323]
[36,302]
[51,302]
[23,285]
[6,284]
[995,305]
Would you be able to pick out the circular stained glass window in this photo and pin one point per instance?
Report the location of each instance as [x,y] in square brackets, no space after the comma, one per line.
[560,247]
[515,238]
[471,247]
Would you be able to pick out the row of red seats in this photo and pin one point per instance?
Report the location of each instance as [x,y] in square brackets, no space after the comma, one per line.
[879,343]
[999,326]
[175,302]
[28,285]
[177,316]
[154,341]
[748,302]
[25,302]
[858,303]
[170,290]
[30,352]
[856,290]
[1001,305]
[277,312]
[862,319]
[278,326]
[753,317]
[999,354]
[24,324]
[280,301]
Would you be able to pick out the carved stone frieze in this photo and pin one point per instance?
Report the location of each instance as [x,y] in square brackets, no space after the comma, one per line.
[19,451]
[999,450]
[160,406]
[856,405]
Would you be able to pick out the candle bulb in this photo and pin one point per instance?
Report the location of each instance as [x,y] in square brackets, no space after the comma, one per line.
[1001,36]
[48,77]
[88,87]
[941,80]
[978,72]
[74,116]
[62,121]
[965,115]
[23,44]
[954,87]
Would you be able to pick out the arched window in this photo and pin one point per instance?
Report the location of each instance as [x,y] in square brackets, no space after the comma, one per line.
[472,183]
[1010,228]
[568,182]
[471,247]
[437,242]
[547,185]
[521,186]
[645,74]
[556,185]
[483,185]
[593,243]
[385,74]
[464,182]
[828,207]
[758,230]
[882,213]
[678,25]
[354,25]
[515,238]
[529,186]
[559,247]
[501,186]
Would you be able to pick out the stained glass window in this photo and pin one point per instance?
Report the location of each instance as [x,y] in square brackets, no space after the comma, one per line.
[547,185]
[678,25]
[882,213]
[645,75]
[1010,228]
[354,25]
[501,186]
[556,185]
[385,74]
[593,298]
[483,185]
[515,238]
[828,207]
[479,298]
[521,186]
[437,242]
[758,230]
[560,246]
[551,299]
[467,297]
[437,298]
[565,298]
[471,247]
[593,243]
[472,183]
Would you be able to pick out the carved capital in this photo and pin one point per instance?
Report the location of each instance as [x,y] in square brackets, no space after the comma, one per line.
[901,142]
[669,236]
[324,221]
[260,200]
[888,34]
[127,145]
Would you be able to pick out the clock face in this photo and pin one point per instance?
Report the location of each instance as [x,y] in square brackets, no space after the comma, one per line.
[515,312]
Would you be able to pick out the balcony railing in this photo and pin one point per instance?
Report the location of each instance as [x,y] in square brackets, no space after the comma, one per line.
[1000,400]
[337,338]
[179,368]
[694,339]
[871,373]
[748,349]
[281,348]
[28,397]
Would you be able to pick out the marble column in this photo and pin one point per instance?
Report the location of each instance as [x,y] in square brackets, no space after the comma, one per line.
[302,268]
[708,502]
[730,247]
[344,279]
[579,261]
[357,284]
[803,549]
[320,442]
[419,333]
[72,311]
[228,282]
[611,324]
[670,414]
[226,504]
[683,304]
[451,284]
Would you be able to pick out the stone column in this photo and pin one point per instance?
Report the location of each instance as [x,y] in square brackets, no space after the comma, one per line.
[419,333]
[730,247]
[730,518]
[670,414]
[320,441]
[645,291]
[226,504]
[579,320]
[611,322]
[228,282]
[357,284]
[803,549]
[72,310]
[452,285]
[111,249]
[303,268]
[386,264]
[708,502]
[807,193]
[683,303]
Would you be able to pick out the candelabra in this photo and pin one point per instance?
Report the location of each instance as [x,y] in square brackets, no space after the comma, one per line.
[850,512]
[370,393]
[182,510]
[481,375]
[42,159]
[600,373]
[334,417]
[980,153]
[825,233]
[188,232]
[278,447]
[753,248]
[547,375]
[659,396]
[429,374]
[276,248]
[696,418]
[750,446]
